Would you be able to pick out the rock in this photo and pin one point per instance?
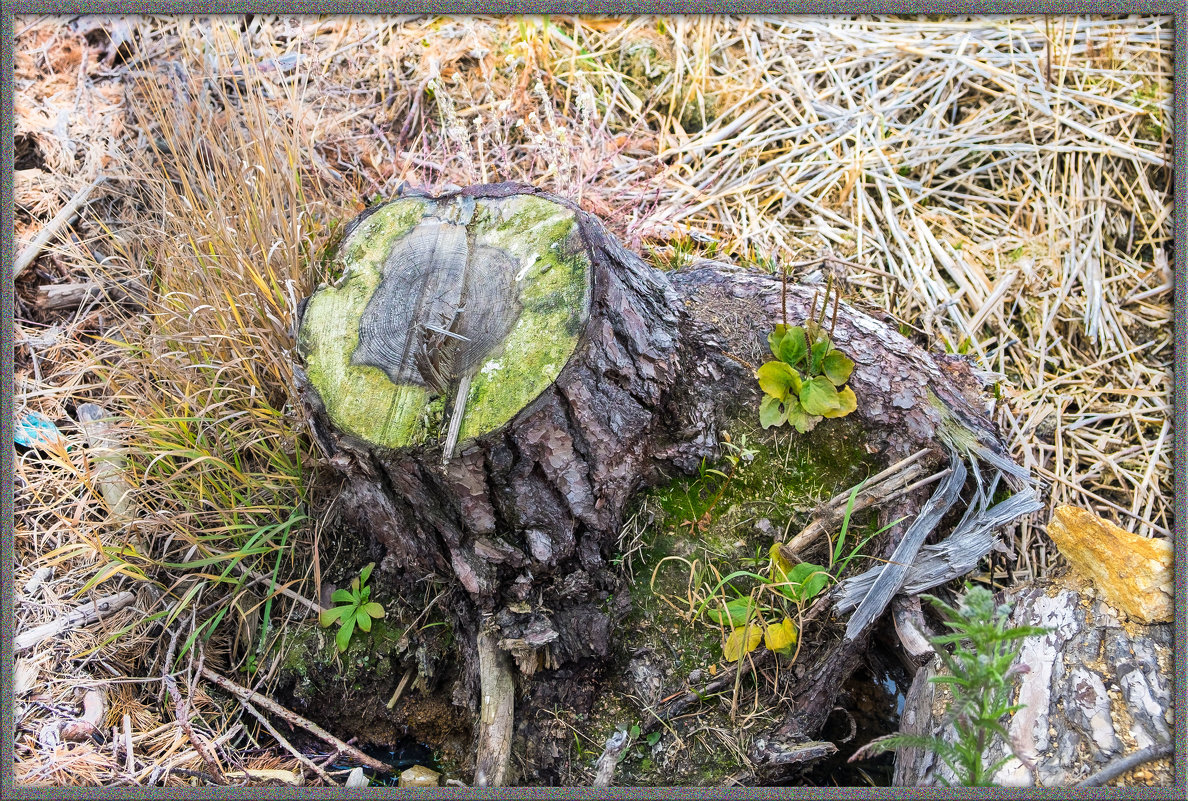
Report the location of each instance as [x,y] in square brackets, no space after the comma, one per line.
[1132,573]
[419,776]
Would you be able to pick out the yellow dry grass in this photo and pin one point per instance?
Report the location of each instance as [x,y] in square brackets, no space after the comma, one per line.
[1001,186]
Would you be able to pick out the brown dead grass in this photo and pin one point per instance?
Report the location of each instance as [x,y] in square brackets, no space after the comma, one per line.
[1003,185]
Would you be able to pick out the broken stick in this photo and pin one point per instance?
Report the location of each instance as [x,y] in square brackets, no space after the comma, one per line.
[82,616]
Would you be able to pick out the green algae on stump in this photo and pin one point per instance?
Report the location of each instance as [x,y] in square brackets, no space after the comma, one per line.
[485,297]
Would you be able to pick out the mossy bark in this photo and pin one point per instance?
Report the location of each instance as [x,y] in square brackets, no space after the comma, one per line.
[519,524]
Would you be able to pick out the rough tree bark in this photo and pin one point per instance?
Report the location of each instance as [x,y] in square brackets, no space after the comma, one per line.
[1096,690]
[519,515]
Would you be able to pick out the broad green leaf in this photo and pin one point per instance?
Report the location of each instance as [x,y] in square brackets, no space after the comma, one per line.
[820,348]
[793,347]
[807,580]
[343,638]
[343,597]
[781,636]
[364,621]
[837,367]
[772,412]
[802,571]
[365,573]
[737,612]
[848,401]
[819,396]
[773,339]
[776,378]
[355,585]
[374,610]
[742,641]
[798,417]
[328,616]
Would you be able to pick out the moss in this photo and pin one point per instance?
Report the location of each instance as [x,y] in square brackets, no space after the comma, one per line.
[360,399]
[554,286]
[788,476]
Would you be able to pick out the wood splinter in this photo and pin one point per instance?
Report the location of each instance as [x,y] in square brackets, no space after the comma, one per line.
[497,717]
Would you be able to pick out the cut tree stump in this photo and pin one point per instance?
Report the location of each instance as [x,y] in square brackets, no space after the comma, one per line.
[496,377]
[1096,690]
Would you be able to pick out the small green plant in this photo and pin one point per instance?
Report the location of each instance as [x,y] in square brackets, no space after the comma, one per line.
[838,558]
[354,607]
[634,735]
[981,670]
[764,615]
[736,455]
[807,379]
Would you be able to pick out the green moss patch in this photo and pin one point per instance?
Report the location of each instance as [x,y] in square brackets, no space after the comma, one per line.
[360,399]
[554,290]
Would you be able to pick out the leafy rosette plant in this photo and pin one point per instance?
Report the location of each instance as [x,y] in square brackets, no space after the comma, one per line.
[807,381]
[750,617]
[354,607]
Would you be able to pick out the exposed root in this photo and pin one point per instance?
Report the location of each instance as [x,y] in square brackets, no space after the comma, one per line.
[497,717]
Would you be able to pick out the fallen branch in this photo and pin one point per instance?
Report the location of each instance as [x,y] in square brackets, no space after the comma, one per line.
[1127,763]
[56,297]
[84,615]
[774,756]
[109,465]
[880,487]
[758,658]
[276,735]
[244,694]
[67,215]
[181,711]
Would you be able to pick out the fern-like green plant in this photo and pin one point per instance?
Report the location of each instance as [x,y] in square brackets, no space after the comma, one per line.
[981,672]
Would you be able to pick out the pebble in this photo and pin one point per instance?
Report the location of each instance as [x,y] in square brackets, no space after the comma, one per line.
[419,776]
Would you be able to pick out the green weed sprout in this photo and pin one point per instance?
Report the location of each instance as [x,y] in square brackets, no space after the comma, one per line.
[354,607]
[981,672]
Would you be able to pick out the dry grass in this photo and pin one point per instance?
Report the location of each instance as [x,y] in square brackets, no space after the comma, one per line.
[1002,185]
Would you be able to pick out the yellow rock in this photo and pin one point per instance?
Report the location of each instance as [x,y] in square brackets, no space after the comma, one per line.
[418,776]
[1132,573]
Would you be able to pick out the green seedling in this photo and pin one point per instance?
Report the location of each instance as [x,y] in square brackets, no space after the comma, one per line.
[354,607]
[981,671]
[837,561]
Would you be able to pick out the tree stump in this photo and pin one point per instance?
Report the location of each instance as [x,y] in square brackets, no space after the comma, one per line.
[496,377]
[1096,690]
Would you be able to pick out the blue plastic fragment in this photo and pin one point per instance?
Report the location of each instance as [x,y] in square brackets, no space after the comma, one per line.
[34,429]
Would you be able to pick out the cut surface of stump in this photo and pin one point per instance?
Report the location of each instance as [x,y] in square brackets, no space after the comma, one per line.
[469,305]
